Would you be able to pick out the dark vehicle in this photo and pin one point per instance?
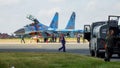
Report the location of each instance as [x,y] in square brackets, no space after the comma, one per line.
[96,38]
[99,45]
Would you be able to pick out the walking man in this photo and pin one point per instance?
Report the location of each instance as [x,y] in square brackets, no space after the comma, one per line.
[62,40]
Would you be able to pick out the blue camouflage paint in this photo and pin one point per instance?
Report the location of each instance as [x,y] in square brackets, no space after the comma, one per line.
[38,27]
[71,22]
[54,23]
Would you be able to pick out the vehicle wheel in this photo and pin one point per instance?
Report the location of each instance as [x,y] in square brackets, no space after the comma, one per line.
[92,53]
[102,55]
[119,55]
[107,57]
[96,53]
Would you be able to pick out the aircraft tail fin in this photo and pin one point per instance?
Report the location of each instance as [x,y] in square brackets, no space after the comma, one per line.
[54,22]
[71,22]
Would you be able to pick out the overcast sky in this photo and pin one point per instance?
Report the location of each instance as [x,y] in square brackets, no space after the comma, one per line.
[13,12]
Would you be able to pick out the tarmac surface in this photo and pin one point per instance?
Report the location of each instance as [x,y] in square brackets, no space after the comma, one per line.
[78,48]
[75,48]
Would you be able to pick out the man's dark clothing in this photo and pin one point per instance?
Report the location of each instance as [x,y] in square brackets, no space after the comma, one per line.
[110,41]
[63,44]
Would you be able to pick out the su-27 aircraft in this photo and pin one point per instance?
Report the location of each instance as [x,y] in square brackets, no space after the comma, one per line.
[39,28]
